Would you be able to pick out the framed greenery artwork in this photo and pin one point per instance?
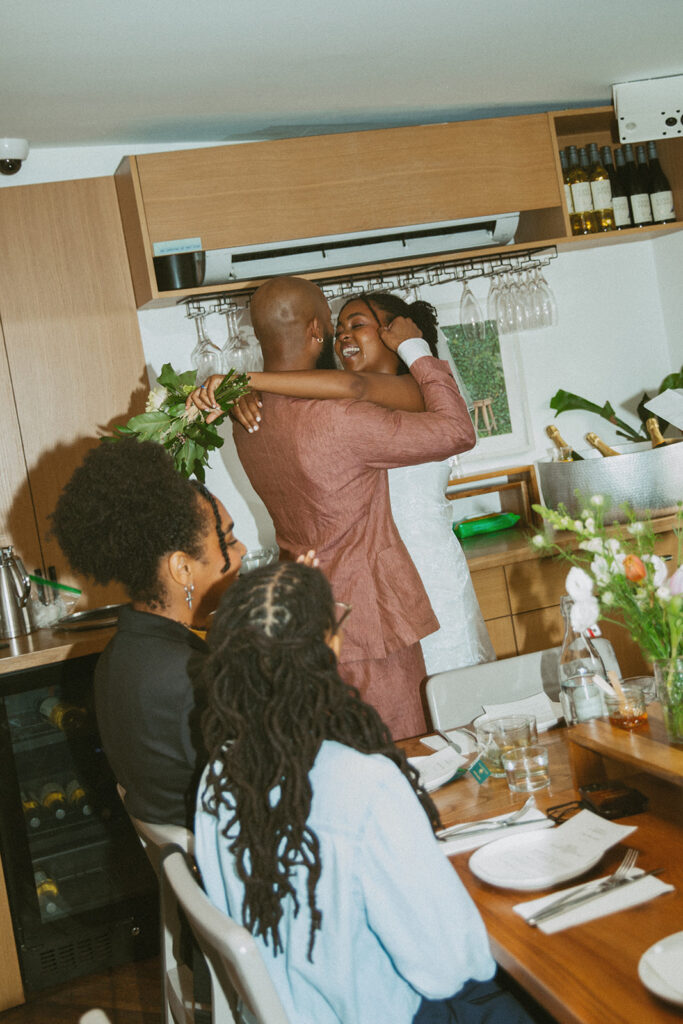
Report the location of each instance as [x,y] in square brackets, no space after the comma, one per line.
[488,367]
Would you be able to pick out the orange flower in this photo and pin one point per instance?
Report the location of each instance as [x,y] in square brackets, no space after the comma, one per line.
[634,568]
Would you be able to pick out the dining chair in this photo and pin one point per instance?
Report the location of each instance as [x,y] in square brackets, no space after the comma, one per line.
[456,697]
[241,988]
[153,838]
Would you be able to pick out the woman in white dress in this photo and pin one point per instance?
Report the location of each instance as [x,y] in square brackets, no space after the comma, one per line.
[419,505]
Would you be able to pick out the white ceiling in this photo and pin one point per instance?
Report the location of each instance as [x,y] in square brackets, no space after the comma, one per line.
[79,72]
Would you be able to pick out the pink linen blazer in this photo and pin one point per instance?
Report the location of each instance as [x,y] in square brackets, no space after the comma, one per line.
[320,469]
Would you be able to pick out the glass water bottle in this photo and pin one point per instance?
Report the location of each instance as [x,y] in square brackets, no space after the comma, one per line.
[580,695]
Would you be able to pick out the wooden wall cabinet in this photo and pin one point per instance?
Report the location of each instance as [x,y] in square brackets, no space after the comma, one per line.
[263,192]
[71,359]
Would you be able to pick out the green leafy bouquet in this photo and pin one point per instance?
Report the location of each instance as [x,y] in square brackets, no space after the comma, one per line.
[184,434]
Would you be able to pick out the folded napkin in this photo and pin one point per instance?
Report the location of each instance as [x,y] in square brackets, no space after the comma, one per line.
[461,841]
[437,769]
[607,903]
[467,743]
[538,704]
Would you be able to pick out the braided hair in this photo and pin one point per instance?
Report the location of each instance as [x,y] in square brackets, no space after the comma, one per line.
[273,696]
[421,312]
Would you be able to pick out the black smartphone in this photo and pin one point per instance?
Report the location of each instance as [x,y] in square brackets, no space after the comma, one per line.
[613,799]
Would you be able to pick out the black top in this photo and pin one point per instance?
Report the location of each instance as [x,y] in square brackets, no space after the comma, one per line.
[148,715]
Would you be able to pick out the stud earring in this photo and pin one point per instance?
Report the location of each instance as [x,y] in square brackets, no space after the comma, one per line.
[320,340]
[188,594]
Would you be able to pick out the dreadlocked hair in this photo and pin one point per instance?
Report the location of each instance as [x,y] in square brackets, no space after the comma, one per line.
[273,696]
[421,312]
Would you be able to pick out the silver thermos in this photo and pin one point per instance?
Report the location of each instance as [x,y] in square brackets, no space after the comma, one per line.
[15,590]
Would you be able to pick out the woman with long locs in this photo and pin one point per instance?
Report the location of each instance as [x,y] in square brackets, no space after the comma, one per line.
[313,830]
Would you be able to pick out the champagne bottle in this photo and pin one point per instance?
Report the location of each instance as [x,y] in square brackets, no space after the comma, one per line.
[622,211]
[661,196]
[597,442]
[652,427]
[601,190]
[564,164]
[562,446]
[583,219]
[49,898]
[53,799]
[32,812]
[65,716]
[638,191]
[77,799]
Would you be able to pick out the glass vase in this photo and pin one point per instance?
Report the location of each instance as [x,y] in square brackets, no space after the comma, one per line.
[669,683]
[580,662]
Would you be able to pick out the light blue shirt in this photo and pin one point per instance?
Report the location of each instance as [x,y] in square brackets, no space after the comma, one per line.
[397,923]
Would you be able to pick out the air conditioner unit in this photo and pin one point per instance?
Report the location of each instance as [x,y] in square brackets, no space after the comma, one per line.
[362,248]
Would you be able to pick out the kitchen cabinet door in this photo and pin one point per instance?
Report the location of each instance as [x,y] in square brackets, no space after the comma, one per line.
[73,346]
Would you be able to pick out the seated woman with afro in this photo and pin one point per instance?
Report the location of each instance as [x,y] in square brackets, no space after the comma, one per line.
[127,515]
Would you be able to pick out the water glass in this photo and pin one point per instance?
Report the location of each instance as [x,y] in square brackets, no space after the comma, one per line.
[526,768]
[628,712]
[495,736]
[645,683]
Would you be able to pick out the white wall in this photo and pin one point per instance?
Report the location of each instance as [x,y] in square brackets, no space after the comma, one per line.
[620,311]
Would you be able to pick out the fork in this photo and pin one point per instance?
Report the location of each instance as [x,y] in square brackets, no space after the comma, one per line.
[587,891]
[486,822]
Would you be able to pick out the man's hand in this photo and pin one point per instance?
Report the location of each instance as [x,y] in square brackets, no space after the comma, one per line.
[204,397]
[400,329]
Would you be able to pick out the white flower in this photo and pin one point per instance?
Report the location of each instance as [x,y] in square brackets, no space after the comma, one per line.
[538,540]
[600,570]
[589,524]
[156,398]
[659,570]
[663,593]
[594,545]
[584,614]
[191,414]
[607,598]
[578,526]
[579,584]
[635,528]
[676,581]
[597,500]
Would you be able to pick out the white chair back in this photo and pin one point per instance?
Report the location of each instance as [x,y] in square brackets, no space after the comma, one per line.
[235,962]
[456,697]
[153,838]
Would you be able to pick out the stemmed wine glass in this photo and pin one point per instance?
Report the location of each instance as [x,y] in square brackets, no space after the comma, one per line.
[206,355]
[471,316]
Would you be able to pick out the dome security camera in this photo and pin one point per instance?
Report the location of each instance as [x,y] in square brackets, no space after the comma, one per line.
[12,153]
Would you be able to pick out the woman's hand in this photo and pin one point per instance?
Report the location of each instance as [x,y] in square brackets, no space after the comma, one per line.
[400,329]
[247,411]
[204,397]
[309,559]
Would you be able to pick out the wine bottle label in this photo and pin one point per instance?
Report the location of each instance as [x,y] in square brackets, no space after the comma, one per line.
[642,211]
[568,198]
[581,196]
[662,206]
[622,214]
[601,191]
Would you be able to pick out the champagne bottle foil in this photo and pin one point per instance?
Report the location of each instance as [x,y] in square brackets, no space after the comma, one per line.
[649,479]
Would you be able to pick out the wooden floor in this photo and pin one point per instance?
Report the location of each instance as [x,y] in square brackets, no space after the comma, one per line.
[130,994]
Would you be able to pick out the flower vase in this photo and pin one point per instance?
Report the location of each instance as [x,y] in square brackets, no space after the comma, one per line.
[669,682]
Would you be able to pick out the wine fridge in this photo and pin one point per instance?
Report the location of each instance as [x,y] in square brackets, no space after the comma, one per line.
[81,892]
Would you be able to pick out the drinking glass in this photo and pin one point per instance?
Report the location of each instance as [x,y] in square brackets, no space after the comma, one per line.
[549,305]
[526,768]
[629,712]
[205,356]
[497,735]
[471,317]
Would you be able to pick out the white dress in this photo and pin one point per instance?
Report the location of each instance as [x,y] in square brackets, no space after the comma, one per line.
[422,514]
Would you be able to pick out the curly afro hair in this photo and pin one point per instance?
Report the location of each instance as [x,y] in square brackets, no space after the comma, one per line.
[124,508]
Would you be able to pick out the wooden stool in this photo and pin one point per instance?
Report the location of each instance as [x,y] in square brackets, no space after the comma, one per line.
[488,419]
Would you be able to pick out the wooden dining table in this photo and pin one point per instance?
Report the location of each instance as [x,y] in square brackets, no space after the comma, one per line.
[587,974]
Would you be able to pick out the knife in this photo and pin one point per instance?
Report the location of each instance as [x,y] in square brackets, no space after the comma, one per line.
[562,905]
[449,741]
[493,827]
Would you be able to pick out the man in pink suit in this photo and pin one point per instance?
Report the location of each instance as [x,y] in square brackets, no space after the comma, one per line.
[320,469]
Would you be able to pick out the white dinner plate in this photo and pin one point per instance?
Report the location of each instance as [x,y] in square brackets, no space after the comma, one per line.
[660,968]
[532,860]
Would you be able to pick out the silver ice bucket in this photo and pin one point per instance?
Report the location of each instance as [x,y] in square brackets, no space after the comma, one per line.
[649,479]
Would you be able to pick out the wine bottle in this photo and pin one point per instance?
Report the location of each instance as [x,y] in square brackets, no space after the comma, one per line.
[597,443]
[32,811]
[77,799]
[652,427]
[661,196]
[53,799]
[65,716]
[601,190]
[583,219]
[49,898]
[622,211]
[638,191]
[564,164]
[561,445]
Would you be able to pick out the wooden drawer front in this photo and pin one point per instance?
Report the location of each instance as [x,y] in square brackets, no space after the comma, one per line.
[538,630]
[354,181]
[536,584]
[491,591]
[502,637]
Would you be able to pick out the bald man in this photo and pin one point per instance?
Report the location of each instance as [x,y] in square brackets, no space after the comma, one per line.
[320,469]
